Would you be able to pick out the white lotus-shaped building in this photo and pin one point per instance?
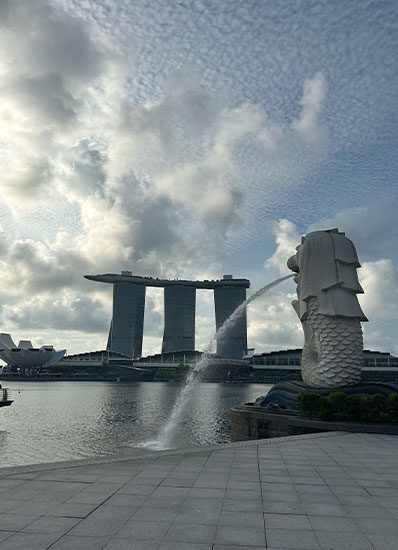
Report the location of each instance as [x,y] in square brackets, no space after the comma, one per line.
[25,355]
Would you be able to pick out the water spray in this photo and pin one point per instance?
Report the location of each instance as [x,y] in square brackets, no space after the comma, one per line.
[167,433]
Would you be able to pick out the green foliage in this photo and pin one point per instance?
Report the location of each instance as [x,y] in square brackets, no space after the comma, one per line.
[307,403]
[338,400]
[375,408]
[392,407]
[325,409]
[339,406]
[355,408]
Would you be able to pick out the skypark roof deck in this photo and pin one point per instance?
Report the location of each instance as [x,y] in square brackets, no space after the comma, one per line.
[127,277]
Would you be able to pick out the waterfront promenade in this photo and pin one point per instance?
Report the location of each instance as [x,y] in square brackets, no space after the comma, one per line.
[333,491]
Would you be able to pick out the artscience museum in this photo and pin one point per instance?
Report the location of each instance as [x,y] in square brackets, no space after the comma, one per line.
[25,356]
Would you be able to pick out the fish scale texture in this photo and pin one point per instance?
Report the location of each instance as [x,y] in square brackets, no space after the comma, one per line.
[333,356]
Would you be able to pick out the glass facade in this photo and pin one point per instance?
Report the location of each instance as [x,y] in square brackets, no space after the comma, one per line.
[127,326]
[179,318]
[226,299]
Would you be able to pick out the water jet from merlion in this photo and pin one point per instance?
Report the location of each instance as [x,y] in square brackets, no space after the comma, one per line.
[167,434]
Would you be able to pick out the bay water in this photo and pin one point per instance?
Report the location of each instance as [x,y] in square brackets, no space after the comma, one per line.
[52,421]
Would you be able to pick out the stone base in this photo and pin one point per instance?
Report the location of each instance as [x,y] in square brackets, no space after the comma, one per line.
[250,422]
[284,394]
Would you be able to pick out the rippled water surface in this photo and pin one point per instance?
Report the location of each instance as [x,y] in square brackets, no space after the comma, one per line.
[51,421]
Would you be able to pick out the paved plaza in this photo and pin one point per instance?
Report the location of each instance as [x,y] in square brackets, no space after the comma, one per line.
[333,491]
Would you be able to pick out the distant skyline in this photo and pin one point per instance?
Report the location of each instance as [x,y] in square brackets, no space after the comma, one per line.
[192,139]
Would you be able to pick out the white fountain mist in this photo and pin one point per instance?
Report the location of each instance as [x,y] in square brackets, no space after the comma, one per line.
[167,434]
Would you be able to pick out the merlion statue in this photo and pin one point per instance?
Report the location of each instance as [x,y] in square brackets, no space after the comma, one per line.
[328,308]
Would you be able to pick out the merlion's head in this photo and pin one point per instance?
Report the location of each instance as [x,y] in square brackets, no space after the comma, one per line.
[326,264]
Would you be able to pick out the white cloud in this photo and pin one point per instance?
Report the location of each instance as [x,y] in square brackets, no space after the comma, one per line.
[39,38]
[313,96]
[30,178]
[378,338]
[380,283]
[287,239]
[67,312]
[273,324]
[372,228]
[209,272]
[145,177]
[38,98]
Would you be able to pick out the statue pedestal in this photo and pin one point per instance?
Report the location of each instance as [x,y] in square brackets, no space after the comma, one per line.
[284,394]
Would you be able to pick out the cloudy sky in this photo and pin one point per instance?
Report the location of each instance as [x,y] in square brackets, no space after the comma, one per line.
[189,139]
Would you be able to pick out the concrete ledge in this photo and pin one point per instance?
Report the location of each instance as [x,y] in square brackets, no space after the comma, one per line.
[6,471]
[250,423]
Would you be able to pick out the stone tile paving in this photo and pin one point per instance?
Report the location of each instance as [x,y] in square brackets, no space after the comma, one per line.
[334,491]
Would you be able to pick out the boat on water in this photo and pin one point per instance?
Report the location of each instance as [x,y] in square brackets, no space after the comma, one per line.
[5,400]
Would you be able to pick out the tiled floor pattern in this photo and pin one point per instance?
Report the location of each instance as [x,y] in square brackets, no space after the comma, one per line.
[334,492]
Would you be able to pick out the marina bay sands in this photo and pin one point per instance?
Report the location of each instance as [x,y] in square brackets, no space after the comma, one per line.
[127,325]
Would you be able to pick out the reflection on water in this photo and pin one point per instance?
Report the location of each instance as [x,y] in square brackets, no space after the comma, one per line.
[51,421]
